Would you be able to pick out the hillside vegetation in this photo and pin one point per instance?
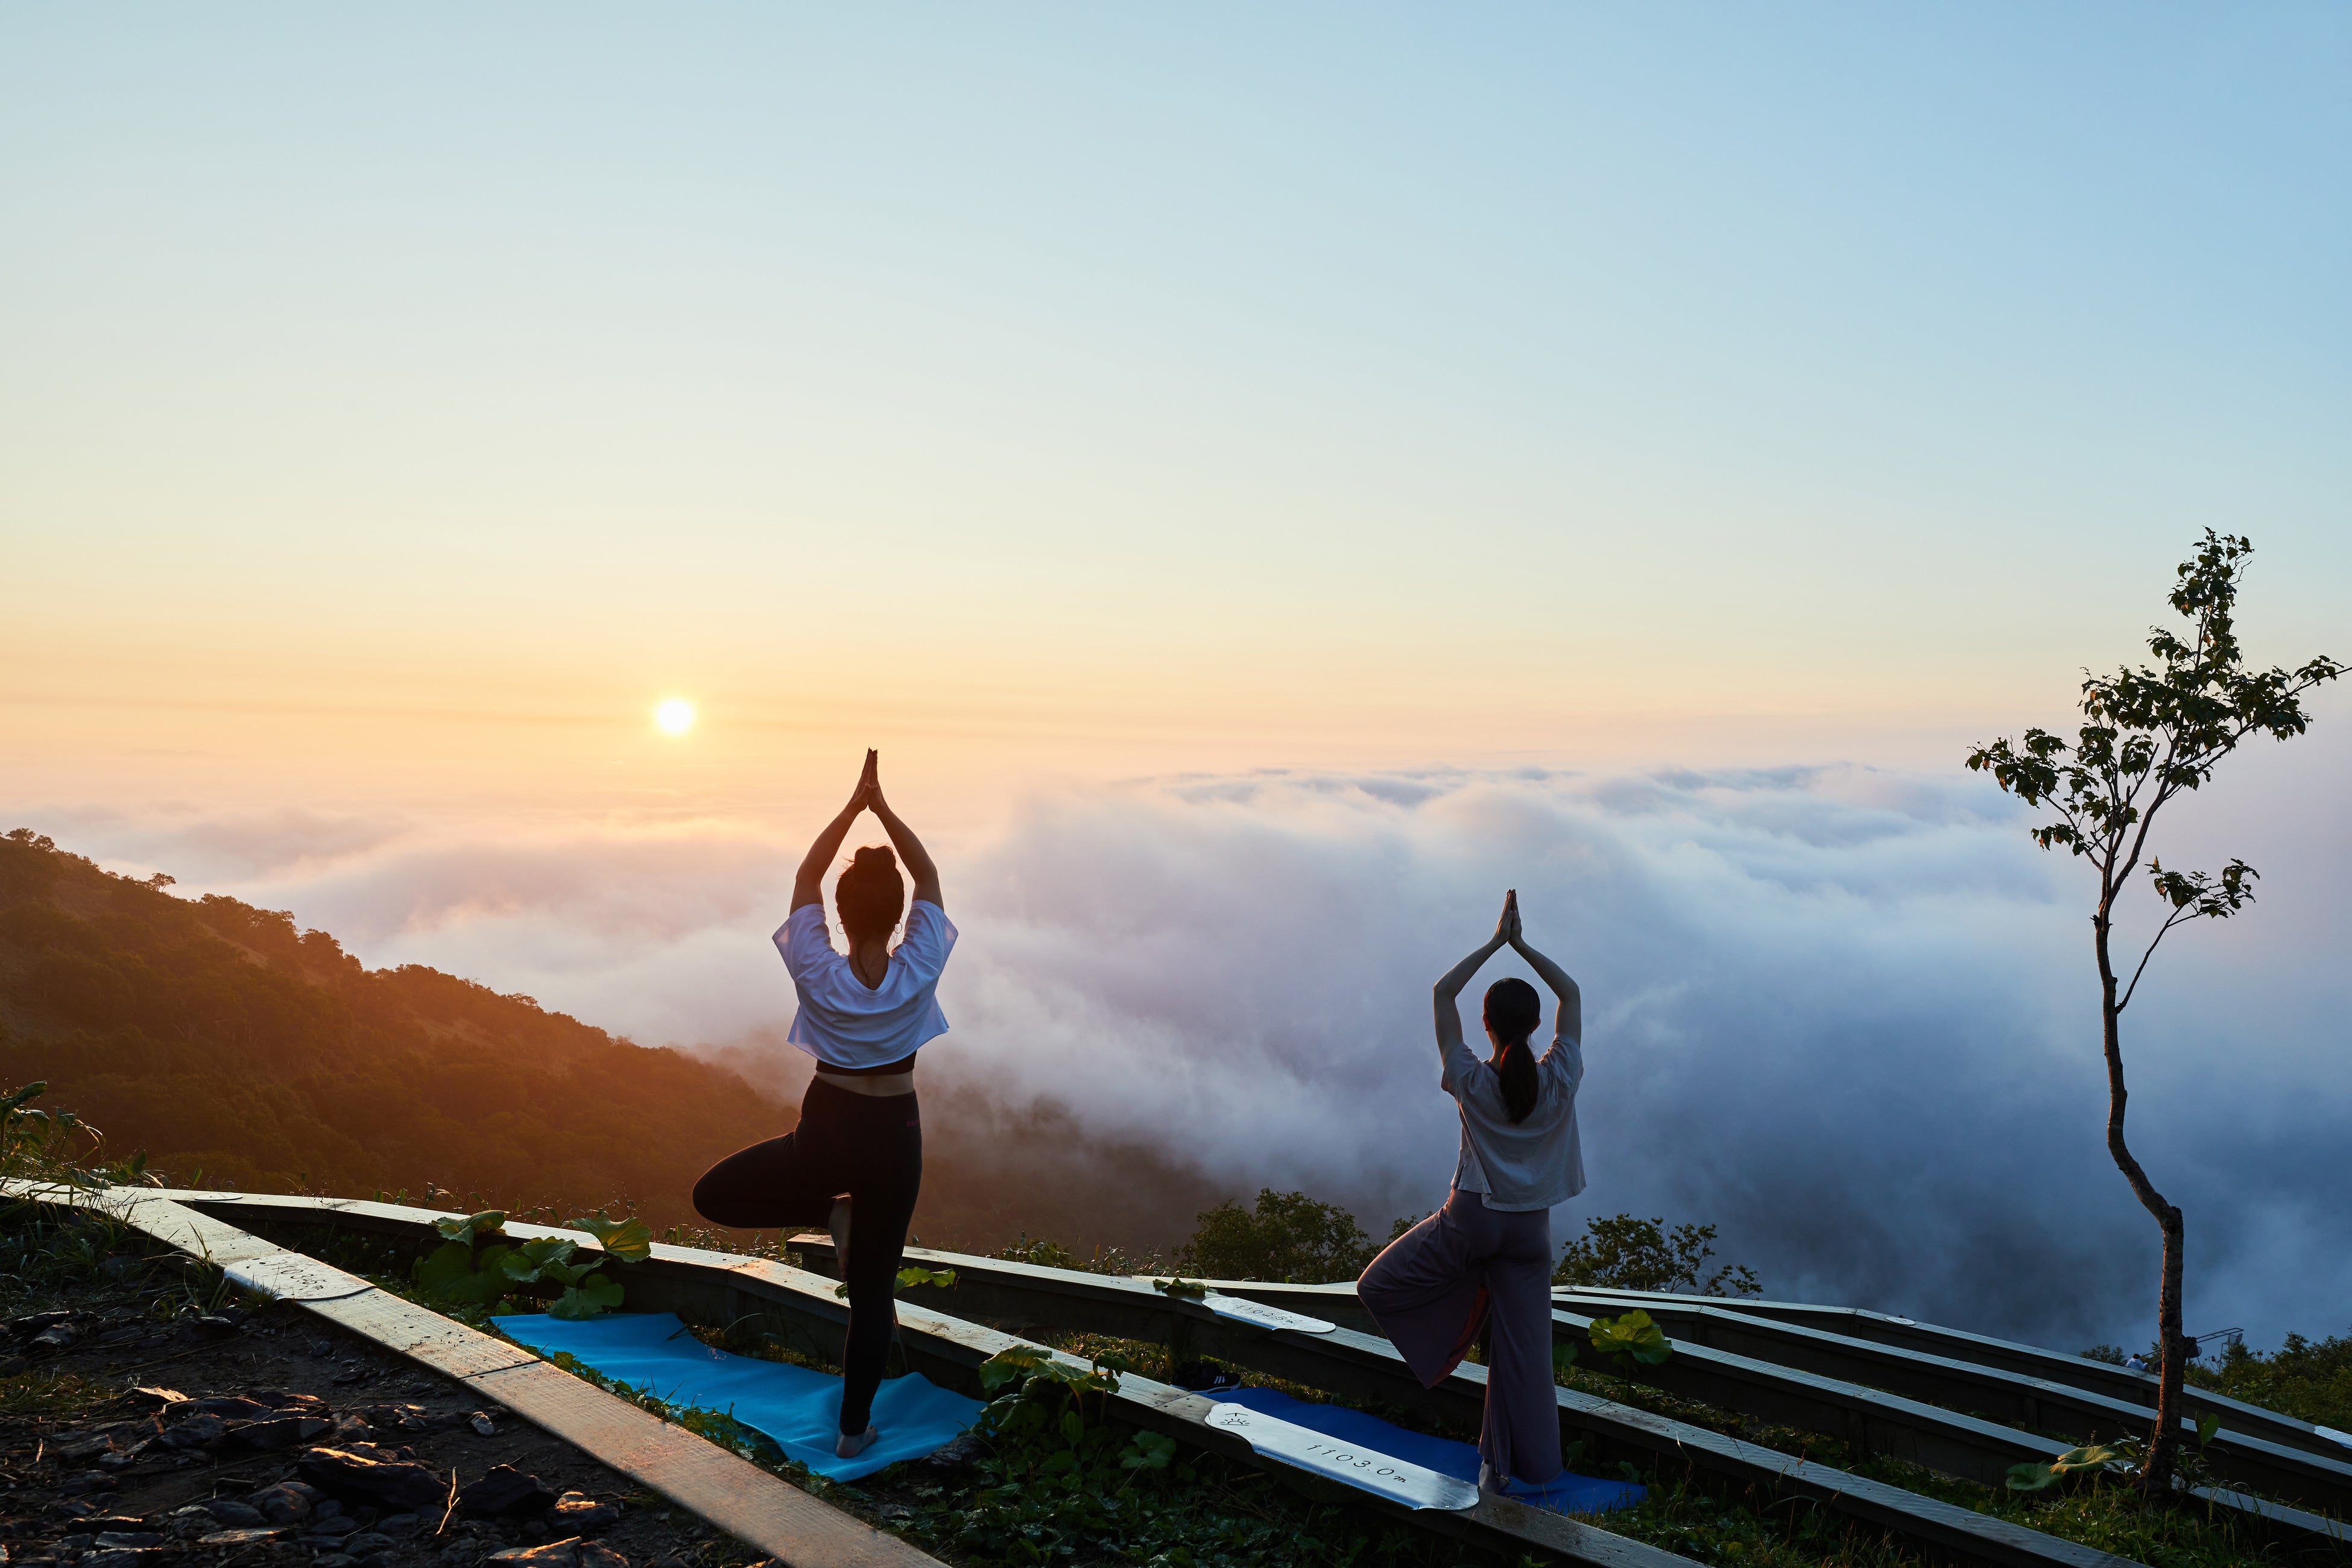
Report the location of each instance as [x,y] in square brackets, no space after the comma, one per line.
[221,1039]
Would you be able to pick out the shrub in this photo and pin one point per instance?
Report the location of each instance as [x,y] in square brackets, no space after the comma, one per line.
[1629,1254]
[1287,1236]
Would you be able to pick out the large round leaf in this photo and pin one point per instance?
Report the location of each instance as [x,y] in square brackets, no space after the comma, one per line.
[592,1297]
[472,1228]
[623,1240]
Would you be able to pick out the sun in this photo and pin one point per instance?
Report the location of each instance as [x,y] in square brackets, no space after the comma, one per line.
[674,715]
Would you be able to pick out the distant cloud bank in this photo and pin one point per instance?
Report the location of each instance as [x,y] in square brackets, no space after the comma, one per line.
[1845,1014]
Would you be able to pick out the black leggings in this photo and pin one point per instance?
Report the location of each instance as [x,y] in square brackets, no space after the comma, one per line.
[868,1146]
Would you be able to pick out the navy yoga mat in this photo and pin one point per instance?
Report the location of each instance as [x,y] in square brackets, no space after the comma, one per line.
[1568,1494]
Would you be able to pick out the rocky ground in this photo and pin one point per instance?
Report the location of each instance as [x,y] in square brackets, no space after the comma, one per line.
[136,1434]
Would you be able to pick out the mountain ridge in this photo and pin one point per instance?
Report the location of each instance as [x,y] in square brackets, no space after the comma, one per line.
[219,1037]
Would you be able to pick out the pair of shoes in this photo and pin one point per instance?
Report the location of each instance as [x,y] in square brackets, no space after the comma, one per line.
[1198,1377]
[848,1446]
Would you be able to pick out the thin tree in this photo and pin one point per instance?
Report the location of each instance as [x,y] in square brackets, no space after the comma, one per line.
[2148,735]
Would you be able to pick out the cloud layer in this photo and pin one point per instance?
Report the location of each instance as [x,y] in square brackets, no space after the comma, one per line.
[1845,1014]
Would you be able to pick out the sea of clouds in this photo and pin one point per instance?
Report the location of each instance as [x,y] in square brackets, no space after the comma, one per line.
[1847,1015]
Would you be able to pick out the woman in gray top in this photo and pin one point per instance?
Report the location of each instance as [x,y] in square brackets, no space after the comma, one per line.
[1484,1261]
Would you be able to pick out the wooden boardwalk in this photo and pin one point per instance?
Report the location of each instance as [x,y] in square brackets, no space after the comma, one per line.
[799,1307]
[722,1288]
[1771,1368]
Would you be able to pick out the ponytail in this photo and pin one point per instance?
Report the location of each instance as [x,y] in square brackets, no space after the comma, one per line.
[1516,1067]
[1513,1011]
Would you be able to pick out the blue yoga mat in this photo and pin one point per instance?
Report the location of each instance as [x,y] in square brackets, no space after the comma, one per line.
[799,1408]
[1568,1494]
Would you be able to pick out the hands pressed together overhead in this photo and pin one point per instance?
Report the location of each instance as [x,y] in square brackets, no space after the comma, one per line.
[1508,934]
[1507,927]
[867,796]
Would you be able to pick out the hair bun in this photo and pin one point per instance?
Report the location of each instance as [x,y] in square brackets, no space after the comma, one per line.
[870,895]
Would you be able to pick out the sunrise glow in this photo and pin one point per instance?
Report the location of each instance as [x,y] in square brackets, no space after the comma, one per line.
[1179,510]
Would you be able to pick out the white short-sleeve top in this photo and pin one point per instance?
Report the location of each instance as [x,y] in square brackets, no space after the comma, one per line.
[1530,1164]
[844,1024]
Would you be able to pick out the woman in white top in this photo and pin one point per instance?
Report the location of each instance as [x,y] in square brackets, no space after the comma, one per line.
[1483,1263]
[857,1152]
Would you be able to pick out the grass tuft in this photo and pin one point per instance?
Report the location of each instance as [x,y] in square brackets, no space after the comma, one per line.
[41,1395]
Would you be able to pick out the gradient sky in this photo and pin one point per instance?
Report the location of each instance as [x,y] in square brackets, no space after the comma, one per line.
[397,404]
[394,406]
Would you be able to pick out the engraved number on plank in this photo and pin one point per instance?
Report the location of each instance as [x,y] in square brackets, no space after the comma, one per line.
[1338,1455]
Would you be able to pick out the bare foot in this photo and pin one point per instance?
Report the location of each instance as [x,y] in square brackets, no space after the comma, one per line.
[838,1223]
[849,1447]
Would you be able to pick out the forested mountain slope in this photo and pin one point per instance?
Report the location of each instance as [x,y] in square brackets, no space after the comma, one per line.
[218,1037]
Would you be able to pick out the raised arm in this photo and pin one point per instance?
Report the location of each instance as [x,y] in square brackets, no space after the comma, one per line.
[1572,1000]
[917,860]
[1450,983]
[808,882]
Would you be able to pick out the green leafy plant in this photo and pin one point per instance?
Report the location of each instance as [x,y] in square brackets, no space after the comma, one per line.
[1181,1288]
[489,1222]
[27,1134]
[2092,1458]
[1039,1389]
[448,1274]
[1630,1335]
[1038,1401]
[475,1266]
[908,1278]
[1032,1363]
[588,1297]
[1150,1451]
[58,1146]
[1013,1362]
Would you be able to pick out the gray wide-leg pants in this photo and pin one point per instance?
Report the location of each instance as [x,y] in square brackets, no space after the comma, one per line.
[1462,1269]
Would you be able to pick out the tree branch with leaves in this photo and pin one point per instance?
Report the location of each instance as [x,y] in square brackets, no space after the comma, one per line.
[2150,734]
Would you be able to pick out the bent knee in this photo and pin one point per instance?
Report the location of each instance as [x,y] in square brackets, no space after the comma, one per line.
[1380,1289]
[721,1203]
